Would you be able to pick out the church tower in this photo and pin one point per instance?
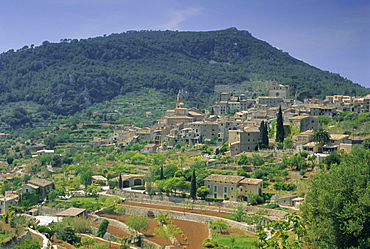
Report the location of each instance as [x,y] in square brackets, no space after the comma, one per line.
[180,99]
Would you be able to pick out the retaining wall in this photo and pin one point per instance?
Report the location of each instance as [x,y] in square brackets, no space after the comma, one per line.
[225,206]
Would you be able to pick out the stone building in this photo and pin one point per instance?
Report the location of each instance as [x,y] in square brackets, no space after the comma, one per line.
[278,90]
[243,140]
[232,187]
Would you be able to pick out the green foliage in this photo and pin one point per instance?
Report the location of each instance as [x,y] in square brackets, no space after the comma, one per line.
[95,70]
[255,199]
[102,228]
[29,243]
[238,212]
[285,234]
[210,243]
[334,158]
[243,160]
[280,134]
[220,225]
[285,186]
[321,136]
[193,186]
[336,208]
[68,234]
[137,223]
[202,192]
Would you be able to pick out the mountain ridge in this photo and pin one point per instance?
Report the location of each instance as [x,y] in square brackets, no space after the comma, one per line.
[68,76]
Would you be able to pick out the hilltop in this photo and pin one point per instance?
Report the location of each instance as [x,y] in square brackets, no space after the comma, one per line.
[64,78]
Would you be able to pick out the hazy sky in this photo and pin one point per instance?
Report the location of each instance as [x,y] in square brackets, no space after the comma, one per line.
[333,35]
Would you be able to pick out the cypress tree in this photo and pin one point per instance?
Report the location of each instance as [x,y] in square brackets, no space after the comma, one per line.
[193,186]
[266,135]
[279,127]
[120,181]
[262,135]
[161,176]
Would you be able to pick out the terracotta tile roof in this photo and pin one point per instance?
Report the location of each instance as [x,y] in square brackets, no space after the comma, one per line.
[72,212]
[250,181]
[40,182]
[224,178]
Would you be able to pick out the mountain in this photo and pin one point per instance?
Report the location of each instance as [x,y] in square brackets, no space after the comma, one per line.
[67,77]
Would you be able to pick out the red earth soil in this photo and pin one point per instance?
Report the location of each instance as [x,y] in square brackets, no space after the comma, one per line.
[194,231]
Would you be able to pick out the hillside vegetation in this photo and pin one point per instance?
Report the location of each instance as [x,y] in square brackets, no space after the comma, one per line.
[67,77]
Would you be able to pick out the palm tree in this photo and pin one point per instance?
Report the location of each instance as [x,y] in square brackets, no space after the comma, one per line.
[321,136]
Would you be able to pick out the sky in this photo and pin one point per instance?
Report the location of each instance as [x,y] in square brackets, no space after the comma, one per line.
[333,35]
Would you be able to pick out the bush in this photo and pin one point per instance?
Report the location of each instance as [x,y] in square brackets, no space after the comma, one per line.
[102,228]
[272,205]
[210,199]
[138,187]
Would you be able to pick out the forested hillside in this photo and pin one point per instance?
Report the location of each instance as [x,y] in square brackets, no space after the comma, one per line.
[68,76]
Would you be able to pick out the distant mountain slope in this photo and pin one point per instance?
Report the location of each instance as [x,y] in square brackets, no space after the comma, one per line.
[70,75]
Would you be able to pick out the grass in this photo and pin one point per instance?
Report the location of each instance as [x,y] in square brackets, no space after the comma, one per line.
[240,241]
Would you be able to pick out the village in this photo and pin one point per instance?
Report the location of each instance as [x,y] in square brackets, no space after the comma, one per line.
[232,128]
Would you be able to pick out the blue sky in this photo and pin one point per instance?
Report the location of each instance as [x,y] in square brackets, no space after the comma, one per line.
[333,35]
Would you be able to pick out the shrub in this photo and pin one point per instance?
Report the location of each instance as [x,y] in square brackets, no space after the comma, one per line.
[138,187]
[210,199]
[102,228]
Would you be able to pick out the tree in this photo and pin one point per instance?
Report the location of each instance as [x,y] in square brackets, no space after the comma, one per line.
[336,207]
[168,231]
[285,234]
[68,234]
[202,192]
[209,243]
[10,160]
[280,127]
[321,136]
[264,135]
[366,143]
[137,223]
[86,176]
[120,181]
[238,212]
[220,225]
[193,186]
[102,228]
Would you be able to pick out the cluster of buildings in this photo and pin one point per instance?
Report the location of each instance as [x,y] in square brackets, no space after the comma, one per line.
[240,127]
[38,186]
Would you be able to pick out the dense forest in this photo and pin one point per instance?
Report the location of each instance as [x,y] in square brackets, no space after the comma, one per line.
[67,77]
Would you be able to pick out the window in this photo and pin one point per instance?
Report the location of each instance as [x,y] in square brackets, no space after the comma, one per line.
[215,195]
[215,188]
[209,186]
[225,189]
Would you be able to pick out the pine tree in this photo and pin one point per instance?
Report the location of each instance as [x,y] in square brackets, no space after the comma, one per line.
[193,187]
[279,127]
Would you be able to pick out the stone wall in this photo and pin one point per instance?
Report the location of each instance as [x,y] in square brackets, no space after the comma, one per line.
[117,224]
[225,206]
[49,211]
[186,216]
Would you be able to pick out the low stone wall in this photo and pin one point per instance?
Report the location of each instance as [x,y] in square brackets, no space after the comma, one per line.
[186,216]
[16,241]
[119,225]
[225,206]
[49,211]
